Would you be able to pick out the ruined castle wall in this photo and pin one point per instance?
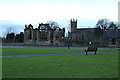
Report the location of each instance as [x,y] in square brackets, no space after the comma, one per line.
[42,36]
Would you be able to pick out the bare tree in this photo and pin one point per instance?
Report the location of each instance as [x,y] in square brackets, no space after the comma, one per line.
[103,23]
[107,24]
[10,30]
[53,24]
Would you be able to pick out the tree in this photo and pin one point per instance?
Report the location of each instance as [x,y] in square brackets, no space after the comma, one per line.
[19,37]
[10,30]
[10,37]
[118,25]
[53,24]
[106,24]
[103,23]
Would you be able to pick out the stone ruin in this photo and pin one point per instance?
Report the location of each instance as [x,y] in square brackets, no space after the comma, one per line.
[43,35]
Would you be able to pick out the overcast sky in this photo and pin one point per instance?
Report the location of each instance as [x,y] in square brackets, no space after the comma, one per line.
[38,11]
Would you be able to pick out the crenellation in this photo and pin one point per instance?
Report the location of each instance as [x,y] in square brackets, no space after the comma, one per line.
[97,36]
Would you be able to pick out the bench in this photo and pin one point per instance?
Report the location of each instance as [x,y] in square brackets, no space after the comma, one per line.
[91,49]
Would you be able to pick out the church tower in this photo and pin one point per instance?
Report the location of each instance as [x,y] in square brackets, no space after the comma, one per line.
[73,25]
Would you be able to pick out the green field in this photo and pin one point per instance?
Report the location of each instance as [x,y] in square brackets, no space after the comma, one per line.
[104,65]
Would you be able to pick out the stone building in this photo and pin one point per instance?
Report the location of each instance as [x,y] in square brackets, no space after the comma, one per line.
[113,36]
[43,35]
[94,36]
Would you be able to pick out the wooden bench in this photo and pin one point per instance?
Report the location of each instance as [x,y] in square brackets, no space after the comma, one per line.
[91,49]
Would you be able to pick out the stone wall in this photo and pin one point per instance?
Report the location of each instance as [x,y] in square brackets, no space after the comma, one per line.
[82,37]
[47,36]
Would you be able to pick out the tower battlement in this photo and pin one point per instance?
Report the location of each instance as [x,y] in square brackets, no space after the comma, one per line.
[73,25]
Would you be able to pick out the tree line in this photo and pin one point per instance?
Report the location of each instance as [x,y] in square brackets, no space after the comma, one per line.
[11,37]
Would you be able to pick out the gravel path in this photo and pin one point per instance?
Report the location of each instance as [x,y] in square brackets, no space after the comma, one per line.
[13,56]
[42,47]
[51,47]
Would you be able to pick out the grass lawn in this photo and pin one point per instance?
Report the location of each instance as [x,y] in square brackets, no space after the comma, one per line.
[30,51]
[104,65]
